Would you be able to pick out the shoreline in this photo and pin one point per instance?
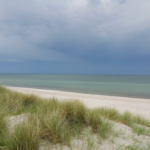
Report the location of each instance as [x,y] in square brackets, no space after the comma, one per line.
[135,105]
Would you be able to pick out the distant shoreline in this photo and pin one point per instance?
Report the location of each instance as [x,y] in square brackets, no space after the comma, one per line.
[75,92]
[135,105]
[86,93]
[135,86]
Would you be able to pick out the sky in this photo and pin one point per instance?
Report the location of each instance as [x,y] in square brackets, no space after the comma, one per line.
[75,36]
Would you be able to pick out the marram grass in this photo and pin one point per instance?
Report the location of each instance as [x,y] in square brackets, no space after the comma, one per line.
[54,128]
[54,121]
[24,136]
[2,120]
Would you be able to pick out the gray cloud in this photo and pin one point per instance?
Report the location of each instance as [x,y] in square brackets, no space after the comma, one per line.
[81,30]
[122,1]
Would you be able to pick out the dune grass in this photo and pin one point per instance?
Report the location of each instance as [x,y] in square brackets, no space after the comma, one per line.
[104,129]
[2,126]
[54,128]
[141,130]
[24,136]
[125,118]
[2,120]
[54,121]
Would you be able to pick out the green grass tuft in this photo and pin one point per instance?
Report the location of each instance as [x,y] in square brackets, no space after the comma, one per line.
[141,121]
[75,112]
[24,136]
[54,128]
[2,120]
[109,113]
[125,118]
[94,120]
[141,130]
[28,100]
[105,129]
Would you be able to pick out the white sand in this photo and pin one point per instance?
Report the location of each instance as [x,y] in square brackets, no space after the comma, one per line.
[134,105]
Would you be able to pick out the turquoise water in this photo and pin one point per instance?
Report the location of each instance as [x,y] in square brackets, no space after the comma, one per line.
[116,85]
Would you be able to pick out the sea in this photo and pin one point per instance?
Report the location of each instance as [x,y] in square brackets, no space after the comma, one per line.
[137,86]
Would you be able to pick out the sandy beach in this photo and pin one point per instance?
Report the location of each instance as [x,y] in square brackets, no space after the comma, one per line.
[114,134]
[134,105]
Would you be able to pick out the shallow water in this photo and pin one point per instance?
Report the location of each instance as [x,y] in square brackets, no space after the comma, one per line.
[116,85]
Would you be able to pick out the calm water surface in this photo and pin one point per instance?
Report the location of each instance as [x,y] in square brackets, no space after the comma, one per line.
[116,85]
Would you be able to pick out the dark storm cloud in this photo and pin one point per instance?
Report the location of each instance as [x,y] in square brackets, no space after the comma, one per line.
[89,32]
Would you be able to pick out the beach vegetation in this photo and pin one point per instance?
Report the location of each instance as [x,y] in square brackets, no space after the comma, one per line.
[141,120]
[28,100]
[141,130]
[24,135]
[105,129]
[54,128]
[28,120]
[125,118]
[2,120]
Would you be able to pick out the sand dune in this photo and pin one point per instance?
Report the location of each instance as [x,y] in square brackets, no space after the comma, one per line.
[134,105]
